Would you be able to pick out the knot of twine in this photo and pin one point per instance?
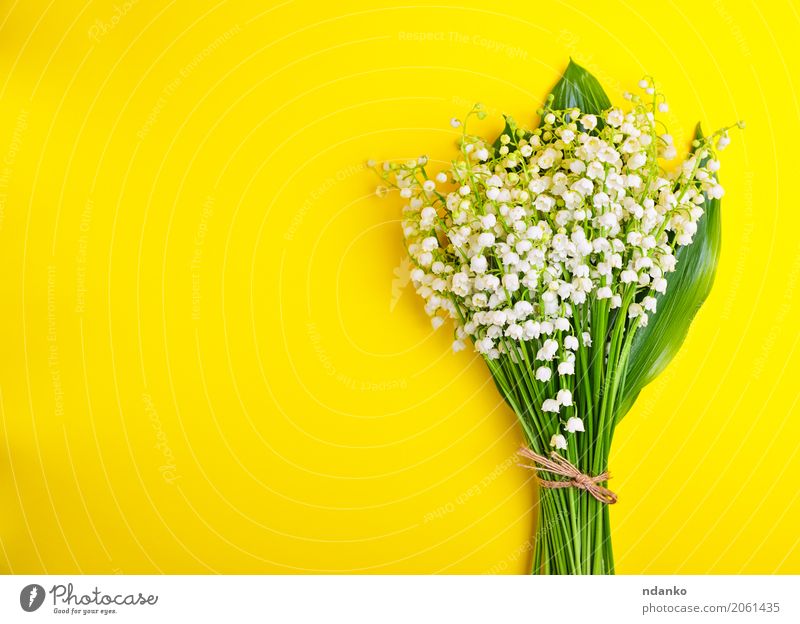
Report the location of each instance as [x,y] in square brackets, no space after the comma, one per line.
[558,465]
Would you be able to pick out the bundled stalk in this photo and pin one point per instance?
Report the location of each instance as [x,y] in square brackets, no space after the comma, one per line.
[573,259]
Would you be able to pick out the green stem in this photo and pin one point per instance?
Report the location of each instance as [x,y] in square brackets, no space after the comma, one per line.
[556,532]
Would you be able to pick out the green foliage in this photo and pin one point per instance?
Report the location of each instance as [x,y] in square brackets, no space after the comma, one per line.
[655,345]
[578,88]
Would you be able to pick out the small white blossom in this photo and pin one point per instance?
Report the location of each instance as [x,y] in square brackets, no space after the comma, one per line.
[548,350]
[566,368]
[571,343]
[559,442]
[574,424]
[550,405]
[614,117]
[564,397]
[589,122]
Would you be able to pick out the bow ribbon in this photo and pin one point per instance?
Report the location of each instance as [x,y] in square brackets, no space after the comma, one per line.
[558,465]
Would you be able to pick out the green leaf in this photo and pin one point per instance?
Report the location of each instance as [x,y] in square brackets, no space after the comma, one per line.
[577,88]
[655,345]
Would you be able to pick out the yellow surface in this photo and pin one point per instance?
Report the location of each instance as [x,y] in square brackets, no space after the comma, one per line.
[205,366]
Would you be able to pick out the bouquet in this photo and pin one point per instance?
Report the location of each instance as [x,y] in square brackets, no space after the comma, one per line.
[573,258]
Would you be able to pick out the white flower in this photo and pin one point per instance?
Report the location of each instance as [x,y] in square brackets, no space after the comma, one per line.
[561,324]
[577,166]
[564,397]
[488,221]
[573,425]
[455,122]
[543,373]
[586,337]
[478,264]
[550,405]
[589,122]
[629,276]
[427,216]
[485,239]
[548,350]
[511,282]
[544,203]
[514,331]
[430,243]
[522,309]
[531,329]
[458,345]
[614,117]
[637,161]
[600,199]
[634,310]
[668,262]
[484,345]
[558,441]
[571,343]
[548,158]
[566,368]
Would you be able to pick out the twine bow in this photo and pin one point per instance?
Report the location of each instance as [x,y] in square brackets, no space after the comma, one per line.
[561,466]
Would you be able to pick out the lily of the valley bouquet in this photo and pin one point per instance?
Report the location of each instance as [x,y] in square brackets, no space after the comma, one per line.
[573,256]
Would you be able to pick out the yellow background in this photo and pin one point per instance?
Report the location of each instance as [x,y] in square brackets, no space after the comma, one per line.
[205,366]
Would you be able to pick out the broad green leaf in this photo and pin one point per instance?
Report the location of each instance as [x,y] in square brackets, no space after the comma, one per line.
[579,89]
[655,345]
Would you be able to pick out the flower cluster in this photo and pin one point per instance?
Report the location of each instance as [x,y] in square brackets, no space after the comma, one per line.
[518,241]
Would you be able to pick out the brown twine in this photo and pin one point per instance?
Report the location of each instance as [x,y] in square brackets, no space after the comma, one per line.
[561,466]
